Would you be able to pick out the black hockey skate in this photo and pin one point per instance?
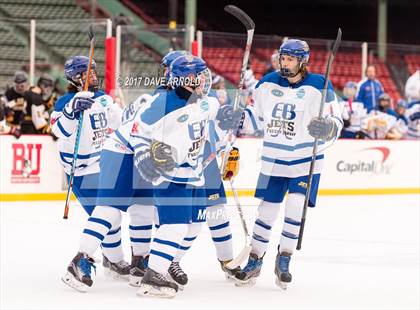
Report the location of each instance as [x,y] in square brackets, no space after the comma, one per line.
[78,273]
[117,271]
[248,275]
[283,276]
[156,285]
[178,275]
[229,273]
[138,269]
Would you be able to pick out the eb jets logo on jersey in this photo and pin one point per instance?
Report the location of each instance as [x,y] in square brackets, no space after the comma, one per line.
[282,121]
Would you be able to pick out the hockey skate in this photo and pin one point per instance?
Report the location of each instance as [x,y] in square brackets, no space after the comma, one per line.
[138,269]
[283,276]
[178,275]
[248,275]
[78,273]
[117,271]
[229,273]
[156,285]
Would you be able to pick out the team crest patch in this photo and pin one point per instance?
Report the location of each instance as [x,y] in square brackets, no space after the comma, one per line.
[183,118]
[300,93]
[204,105]
[103,101]
[277,92]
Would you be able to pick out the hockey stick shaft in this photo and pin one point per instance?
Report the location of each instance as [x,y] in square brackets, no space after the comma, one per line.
[79,125]
[315,148]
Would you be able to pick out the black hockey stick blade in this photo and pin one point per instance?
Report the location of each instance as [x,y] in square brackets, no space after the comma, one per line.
[241,15]
[337,42]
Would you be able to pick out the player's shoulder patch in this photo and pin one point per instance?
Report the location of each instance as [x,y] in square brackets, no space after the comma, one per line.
[62,101]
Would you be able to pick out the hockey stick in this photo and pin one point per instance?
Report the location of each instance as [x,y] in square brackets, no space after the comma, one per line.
[250,28]
[315,148]
[79,125]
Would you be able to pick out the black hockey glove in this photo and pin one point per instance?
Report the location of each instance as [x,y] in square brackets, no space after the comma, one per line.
[154,161]
[322,128]
[229,118]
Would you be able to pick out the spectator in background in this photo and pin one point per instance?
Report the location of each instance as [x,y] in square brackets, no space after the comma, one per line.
[40,103]
[15,102]
[370,89]
[382,122]
[4,126]
[353,113]
[412,87]
[385,104]
[274,63]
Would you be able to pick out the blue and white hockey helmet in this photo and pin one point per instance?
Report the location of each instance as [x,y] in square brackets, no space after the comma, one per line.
[190,71]
[350,89]
[295,48]
[166,62]
[74,68]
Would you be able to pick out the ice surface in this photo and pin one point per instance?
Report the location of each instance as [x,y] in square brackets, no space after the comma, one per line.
[359,252]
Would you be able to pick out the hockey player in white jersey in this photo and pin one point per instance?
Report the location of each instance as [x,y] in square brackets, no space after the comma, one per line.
[353,113]
[288,101]
[171,136]
[100,115]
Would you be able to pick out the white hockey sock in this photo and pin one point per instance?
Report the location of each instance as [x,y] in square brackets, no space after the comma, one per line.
[165,245]
[102,220]
[111,246]
[193,231]
[218,222]
[292,219]
[267,215]
[140,229]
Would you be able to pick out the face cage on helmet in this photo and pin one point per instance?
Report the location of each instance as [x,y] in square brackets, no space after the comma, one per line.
[79,83]
[286,73]
[205,89]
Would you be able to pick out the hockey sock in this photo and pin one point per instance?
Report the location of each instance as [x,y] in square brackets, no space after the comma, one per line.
[267,215]
[140,229]
[98,225]
[165,245]
[220,231]
[193,231]
[111,246]
[291,226]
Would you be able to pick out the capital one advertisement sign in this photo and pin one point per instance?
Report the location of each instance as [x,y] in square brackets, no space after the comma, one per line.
[29,165]
[372,164]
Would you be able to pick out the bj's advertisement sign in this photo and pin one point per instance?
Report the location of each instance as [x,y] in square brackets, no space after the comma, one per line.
[29,165]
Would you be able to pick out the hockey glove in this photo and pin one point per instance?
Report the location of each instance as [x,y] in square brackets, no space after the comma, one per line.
[162,156]
[322,128]
[232,165]
[146,167]
[229,118]
[80,102]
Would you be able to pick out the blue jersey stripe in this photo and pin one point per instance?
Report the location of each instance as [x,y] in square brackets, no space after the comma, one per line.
[219,226]
[161,254]
[123,140]
[94,234]
[221,239]
[292,162]
[64,132]
[290,148]
[100,221]
[111,245]
[145,227]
